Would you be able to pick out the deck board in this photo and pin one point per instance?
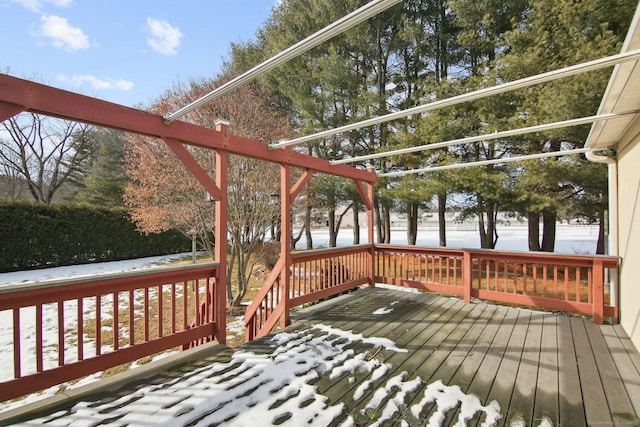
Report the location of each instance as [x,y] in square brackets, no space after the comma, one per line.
[504,388]
[617,398]
[534,365]
[547,401]
[623,354]
[593,395]
[571,406]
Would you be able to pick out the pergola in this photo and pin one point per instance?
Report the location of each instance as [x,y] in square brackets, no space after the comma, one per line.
[18,95]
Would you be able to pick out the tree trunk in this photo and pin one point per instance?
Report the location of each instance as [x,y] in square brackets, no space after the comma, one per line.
[442,220]
[333,235]
[548,231]
[379,224]
[307,223]
[356,222]
[487,227]
[533,222]
[386,216]
[600,246]
[412,223]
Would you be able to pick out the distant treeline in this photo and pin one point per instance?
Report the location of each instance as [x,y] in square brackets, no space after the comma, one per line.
[36,235]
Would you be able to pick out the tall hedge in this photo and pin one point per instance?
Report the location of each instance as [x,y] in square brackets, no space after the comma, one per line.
[36,235]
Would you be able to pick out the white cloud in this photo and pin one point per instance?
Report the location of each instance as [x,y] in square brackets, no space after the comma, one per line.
[62,35]
[96,83]
[36,5]
[164,38]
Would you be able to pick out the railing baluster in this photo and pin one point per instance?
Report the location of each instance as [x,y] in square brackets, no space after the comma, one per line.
[61,331]
[174,308]
[80,327]
[578,290]
[132,330]
[17,353]
[589,285]
[185,305]
[146,314]
[160,313]
[116,321]
[98,325]
[566,283]
[38,313]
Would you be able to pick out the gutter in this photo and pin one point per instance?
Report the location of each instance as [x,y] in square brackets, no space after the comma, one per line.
[612,223]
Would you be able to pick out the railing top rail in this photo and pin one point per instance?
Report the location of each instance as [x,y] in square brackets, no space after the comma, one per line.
[315,253]
[410,248]
[98,279]
[551,257]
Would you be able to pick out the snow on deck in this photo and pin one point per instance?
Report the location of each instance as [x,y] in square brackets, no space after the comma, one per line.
[385,357]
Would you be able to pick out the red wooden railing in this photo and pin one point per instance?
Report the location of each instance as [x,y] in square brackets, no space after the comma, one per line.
[313,275]
[572,283]
[65,330]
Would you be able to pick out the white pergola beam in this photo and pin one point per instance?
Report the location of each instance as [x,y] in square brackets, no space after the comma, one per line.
[486,162]
[471,96]
[317,38]
[485,137]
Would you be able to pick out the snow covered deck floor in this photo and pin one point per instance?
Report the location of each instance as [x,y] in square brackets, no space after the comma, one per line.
[388,357]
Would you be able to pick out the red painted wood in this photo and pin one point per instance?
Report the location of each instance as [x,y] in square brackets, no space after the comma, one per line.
[221,209]
[20,296]
[39,366]
[55,102]
[17,353]
[8,110]
[98,325]
[116,321]
[61,342]
[30,383]
[598,292]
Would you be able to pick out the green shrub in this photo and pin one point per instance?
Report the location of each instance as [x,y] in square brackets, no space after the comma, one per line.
[36,235]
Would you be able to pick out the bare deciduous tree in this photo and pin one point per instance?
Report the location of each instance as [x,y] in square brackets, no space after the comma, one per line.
[43,151]
[163,194]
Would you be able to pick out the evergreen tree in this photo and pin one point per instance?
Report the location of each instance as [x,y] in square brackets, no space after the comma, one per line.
[555,34]
[104,178]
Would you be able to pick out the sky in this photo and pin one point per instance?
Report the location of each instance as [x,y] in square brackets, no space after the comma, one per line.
[127,52]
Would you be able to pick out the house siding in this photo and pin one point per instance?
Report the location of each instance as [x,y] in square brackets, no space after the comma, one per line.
[629,234]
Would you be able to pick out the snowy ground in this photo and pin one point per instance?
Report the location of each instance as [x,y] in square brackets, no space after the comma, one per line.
[570,239]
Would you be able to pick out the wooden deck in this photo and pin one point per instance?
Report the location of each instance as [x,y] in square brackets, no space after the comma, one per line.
[526,366]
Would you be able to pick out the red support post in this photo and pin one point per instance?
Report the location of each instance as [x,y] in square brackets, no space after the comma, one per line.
[220,299]
[467,274]
[598,292]
[285,237]
[370,229]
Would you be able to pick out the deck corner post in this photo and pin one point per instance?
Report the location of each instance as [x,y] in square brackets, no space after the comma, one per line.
[598,291]
[285,239]
[222,204]
[370,229]
[467,274]
[372,265]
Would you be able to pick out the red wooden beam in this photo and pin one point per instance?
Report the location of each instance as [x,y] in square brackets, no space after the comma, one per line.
[302,181]
[194,167]
[50,101]
[8,110]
